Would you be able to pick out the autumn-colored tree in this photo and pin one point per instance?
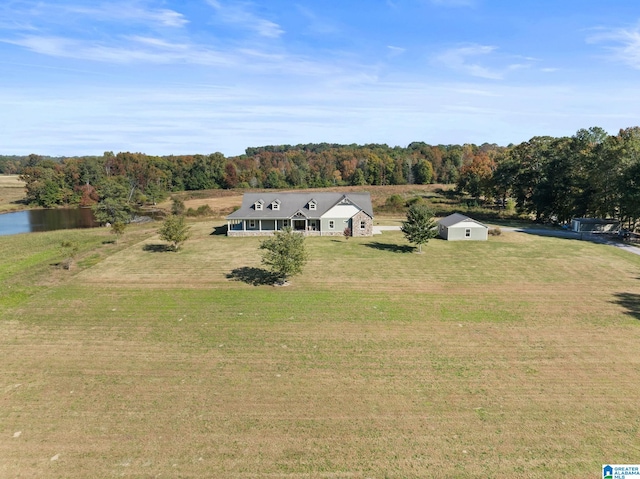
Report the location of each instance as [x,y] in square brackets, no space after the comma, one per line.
[475,177]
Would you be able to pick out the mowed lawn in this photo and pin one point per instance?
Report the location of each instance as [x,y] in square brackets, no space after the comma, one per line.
[516,357]
[11,192]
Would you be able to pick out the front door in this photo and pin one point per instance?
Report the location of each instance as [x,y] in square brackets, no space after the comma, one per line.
[299,225]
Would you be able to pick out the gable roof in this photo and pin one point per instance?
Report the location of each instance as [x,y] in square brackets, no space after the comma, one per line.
[292,203]
[456,218]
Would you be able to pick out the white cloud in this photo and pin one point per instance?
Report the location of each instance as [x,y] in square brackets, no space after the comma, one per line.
[127,13]
[463,59]
[135,49]
[115,35]
[395,51]
[624,44]
[118,11]
[240,14]
[190,119]
[474,60]
[141,49]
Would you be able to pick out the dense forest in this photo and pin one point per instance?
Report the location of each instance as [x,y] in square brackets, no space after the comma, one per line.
[589,174]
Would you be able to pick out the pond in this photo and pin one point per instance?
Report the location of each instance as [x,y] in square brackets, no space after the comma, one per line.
[30,221]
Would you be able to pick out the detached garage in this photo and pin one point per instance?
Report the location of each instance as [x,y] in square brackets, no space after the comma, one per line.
[460,227]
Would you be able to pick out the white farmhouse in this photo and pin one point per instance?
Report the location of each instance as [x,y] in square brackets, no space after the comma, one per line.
[311,213]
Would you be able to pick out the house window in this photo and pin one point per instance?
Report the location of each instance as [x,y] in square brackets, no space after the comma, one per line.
[363,225]
[312,205]
[252,223]
[258,205]
[467,233]
[275,206]
[331,224]
[285,223]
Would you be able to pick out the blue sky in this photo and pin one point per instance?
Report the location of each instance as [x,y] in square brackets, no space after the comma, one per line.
[198,76]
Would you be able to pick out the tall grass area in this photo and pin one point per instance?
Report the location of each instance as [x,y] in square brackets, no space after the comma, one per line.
[515,357]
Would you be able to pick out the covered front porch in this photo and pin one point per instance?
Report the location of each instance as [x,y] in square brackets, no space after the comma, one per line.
[265,227]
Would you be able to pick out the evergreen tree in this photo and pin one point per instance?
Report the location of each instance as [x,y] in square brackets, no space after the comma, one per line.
[419,227]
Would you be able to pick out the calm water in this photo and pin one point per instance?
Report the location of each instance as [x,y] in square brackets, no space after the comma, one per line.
[46,220]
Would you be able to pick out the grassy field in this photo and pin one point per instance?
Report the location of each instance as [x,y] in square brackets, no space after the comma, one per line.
[11,192]
[516,357]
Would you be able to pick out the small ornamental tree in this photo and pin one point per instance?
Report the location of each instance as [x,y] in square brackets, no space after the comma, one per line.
[69,251]
[177,206]
[284,254]
[346,233]
[175,230]
[118,228]
[419,227]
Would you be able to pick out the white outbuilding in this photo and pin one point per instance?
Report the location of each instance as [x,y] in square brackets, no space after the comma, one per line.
[460,227]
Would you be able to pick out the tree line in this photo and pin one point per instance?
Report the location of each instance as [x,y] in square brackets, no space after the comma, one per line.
[146,179]
[590,173]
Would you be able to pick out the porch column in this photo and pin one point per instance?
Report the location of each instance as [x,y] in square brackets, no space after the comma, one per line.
[259,225]
[244,225]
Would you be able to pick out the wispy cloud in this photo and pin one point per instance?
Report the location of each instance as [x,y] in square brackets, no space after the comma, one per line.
[453,3]
[622,43]
[465,60]
[127,12]
[240,14]
[142,49]
[395,51]
[189,119]
[23,15]
[474,59]
[134,50]
[317,23]
[134,32]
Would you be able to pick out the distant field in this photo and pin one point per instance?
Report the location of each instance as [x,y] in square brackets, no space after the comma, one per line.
[516,357]
[11,191]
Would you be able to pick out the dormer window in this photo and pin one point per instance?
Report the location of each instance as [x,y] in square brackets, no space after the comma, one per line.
[258,205]
[275,205]
[313,205]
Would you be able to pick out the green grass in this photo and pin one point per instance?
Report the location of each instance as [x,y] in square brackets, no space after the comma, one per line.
[515,357]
